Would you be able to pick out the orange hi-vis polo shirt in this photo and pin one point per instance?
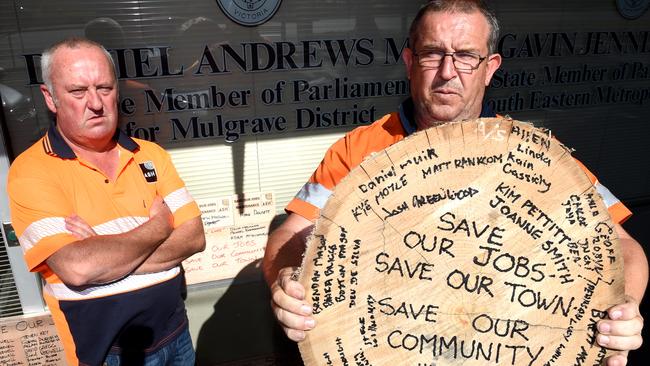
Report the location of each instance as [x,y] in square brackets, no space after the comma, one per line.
[47,183]
[349,151]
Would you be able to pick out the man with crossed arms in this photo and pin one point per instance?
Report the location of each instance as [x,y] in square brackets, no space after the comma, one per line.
[105,219]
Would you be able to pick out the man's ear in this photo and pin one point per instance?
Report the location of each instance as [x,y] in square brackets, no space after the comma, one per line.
[49,98]
[493,63]
[407,57]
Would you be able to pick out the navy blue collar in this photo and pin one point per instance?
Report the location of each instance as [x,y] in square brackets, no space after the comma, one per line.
[64,151]
[407,115]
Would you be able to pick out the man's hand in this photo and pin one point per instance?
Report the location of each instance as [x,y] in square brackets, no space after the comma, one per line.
[81,230]
[621,331]
[289,307]
[160,208]
[79,227]
[161,213]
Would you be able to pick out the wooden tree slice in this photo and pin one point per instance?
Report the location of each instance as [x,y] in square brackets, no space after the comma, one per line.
[473,243]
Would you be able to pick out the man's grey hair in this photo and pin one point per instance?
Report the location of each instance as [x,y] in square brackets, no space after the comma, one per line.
[72,42]
[457,6]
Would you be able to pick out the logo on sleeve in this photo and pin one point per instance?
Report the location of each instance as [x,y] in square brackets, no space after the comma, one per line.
[149,171]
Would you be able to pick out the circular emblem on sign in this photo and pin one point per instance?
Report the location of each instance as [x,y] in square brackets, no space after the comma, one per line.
[632,9]
[474,243]
[249,12]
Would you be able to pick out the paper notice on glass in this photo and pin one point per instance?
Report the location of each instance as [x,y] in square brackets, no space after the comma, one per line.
[30,340]
[230,248]
[216,212]
[253,208]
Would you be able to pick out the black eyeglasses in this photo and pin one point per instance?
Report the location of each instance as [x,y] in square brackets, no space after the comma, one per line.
[463,61]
